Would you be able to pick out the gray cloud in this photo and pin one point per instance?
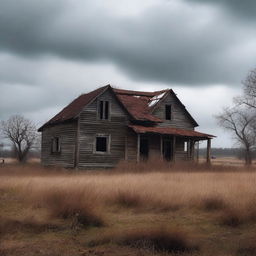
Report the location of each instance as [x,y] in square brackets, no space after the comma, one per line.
[245,9]
[167,43]
[51,51]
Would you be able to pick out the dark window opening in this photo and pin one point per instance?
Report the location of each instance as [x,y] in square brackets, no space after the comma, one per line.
[55,145]
[168,112]
[101,144]
[103,110]
[106,109]
[144,148]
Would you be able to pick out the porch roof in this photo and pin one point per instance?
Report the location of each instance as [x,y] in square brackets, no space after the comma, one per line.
[171,131]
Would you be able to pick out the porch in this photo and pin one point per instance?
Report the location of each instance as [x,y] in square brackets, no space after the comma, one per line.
[170,144]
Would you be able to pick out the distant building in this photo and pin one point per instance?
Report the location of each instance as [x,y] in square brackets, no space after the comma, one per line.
[100,128]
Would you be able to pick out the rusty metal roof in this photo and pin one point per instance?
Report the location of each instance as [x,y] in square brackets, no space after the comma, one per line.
[170,131]
[74,108]
[139,105]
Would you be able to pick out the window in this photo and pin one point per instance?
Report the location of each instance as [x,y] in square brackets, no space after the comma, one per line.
[103,110]
[102,144]
[185,146]
[56,145]
[168,112]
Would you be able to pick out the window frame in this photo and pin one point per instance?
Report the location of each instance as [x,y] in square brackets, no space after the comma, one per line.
[108,144]
[101,106]
[58,146]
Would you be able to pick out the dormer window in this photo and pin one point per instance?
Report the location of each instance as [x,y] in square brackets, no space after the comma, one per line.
[168,112]
[103,111]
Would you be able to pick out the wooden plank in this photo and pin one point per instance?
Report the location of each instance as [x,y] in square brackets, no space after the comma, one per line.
[138,148]
[208,156]
[66,157]
[161,146]
[174,149]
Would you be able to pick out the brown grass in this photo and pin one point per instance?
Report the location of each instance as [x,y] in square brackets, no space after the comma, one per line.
[128,199]
[232,218]
[75,204]
[156,239]
[123,200]
[247,249]
[166,190]
[8,225]
[213,203]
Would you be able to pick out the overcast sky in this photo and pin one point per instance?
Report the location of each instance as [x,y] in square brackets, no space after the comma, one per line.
[52,51]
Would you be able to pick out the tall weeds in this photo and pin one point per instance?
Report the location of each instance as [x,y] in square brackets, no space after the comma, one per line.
[80,194]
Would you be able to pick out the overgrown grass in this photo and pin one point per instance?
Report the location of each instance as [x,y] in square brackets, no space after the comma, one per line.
[157,239]
[212,202]
[75,204]
[9,226]
[232,218]
[165,190]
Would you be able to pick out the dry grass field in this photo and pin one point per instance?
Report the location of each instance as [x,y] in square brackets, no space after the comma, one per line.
[133,210]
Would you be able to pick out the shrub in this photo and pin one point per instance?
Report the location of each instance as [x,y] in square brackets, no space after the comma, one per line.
[128,199]
[213,203]
[158,239]
[72,204]
[232,218]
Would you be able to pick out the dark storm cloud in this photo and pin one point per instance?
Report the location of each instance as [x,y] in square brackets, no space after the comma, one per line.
[186,44]
[245,8]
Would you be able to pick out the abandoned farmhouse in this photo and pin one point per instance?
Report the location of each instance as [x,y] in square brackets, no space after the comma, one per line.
[107,125]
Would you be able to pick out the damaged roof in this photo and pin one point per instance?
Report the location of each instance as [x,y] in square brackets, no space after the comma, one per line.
[170,131]
[139,105]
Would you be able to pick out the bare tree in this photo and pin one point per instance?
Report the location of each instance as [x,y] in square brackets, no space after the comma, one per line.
[249,91]
[22,133]
[242,123]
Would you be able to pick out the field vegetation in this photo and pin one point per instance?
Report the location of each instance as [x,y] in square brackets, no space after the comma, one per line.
[145,209]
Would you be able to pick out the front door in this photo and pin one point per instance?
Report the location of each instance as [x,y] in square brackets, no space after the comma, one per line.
[167,149]
[144,148]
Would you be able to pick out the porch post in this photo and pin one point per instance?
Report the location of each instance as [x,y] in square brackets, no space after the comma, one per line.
[208,157]
[161,146]
[126,149]
[138,148]
[174,149]
[192,150]
[188,149]
[197,153]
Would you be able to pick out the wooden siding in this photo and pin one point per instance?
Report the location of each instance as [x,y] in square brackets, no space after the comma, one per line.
[115,127]
[78,138]
[179,117]
[67,134]
[180,154]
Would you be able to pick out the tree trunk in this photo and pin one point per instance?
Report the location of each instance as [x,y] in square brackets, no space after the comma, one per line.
[248,157]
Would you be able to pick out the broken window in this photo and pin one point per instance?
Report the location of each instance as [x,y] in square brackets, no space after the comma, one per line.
[103,111]
[102,144]
[55,145]
[168,112]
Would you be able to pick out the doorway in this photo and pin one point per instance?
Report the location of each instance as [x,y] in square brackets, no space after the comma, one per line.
[144,148]
[167,149]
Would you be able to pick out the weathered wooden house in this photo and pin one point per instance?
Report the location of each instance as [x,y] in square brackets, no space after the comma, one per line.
[100,128]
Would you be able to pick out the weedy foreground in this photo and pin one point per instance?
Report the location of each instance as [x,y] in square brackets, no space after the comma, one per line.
[133,210]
